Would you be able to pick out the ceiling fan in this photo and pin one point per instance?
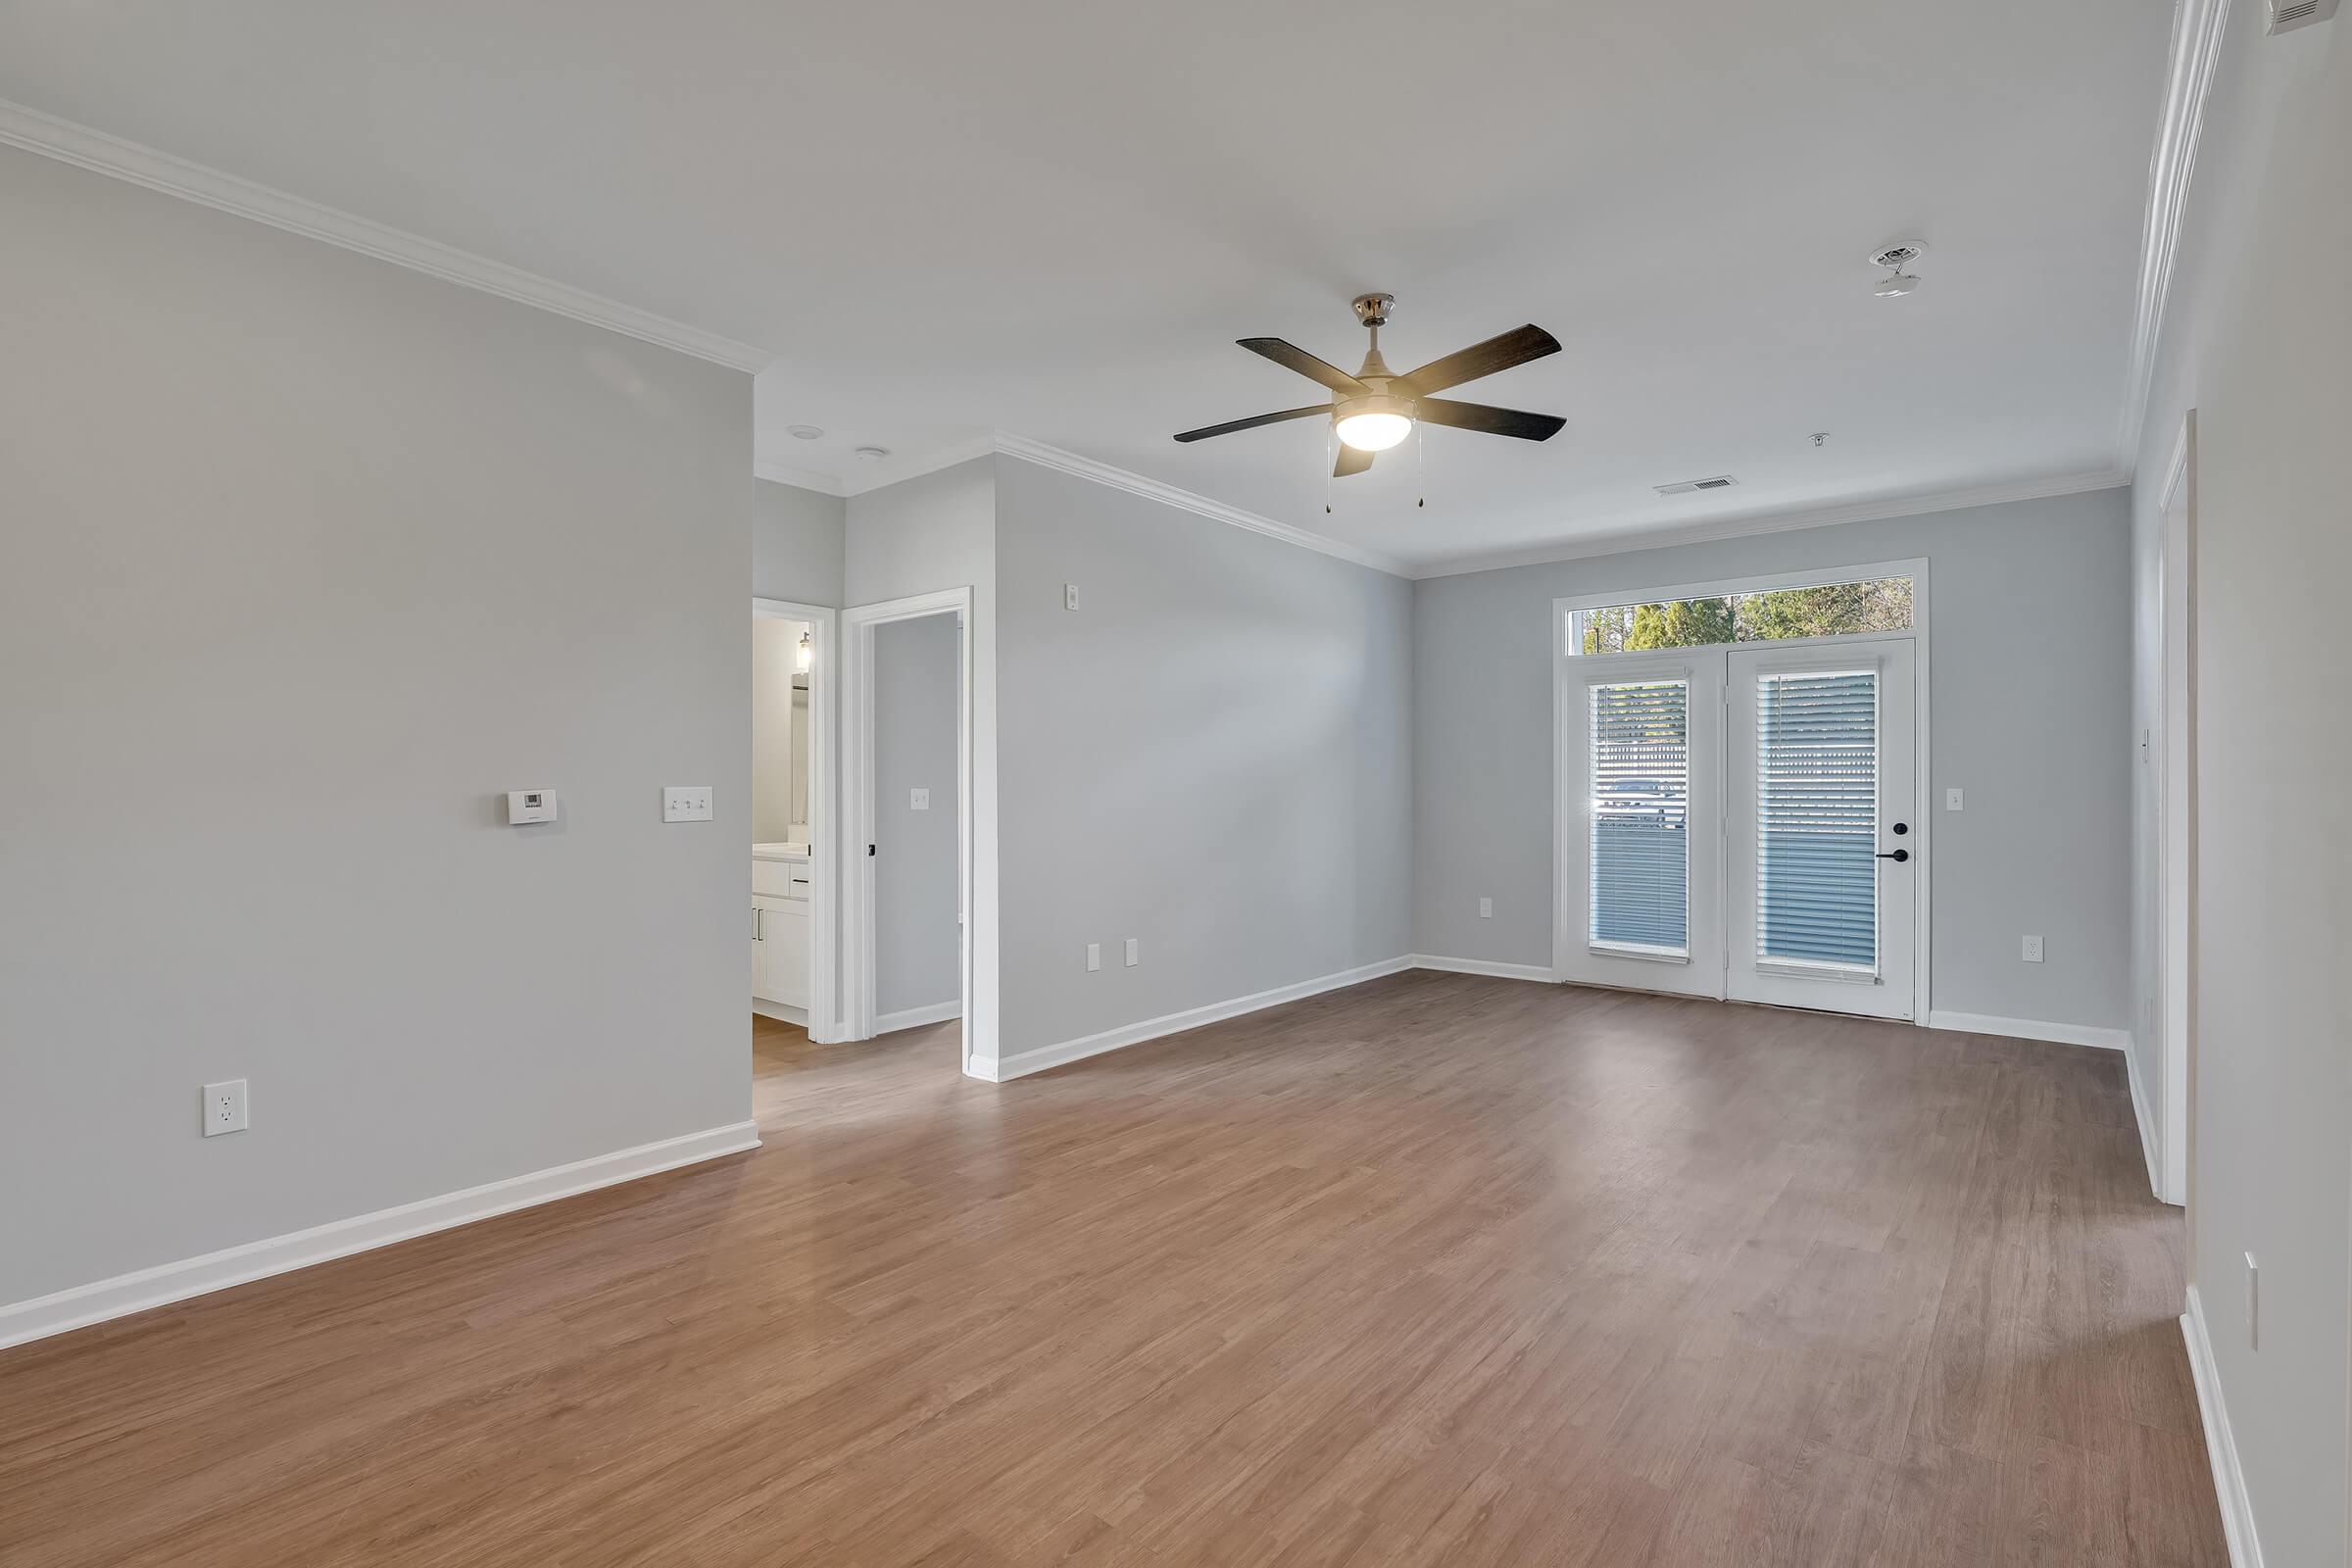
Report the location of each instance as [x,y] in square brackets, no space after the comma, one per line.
[1376,408]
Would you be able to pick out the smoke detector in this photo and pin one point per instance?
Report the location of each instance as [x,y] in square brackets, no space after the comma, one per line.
[1897,259]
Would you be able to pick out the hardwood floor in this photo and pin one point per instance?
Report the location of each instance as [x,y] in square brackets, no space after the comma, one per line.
[1436,1270]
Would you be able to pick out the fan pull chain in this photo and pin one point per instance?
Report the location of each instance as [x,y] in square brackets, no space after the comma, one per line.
[1330,460]
[1420,464]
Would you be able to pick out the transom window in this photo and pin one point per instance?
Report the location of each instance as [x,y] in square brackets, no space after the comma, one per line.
[1773,615]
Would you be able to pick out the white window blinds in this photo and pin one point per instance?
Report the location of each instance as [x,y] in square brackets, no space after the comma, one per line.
[1641,764]
[1817,811]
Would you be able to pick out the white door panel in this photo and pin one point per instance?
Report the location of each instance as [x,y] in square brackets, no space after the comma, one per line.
[1822,834]
[1640,859]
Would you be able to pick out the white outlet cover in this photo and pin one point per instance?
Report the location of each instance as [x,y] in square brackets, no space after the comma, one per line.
[1094,956]
[2033,949]
[224,1107]
[1069,596]
[1486,908]
[918,800]
[1134,956]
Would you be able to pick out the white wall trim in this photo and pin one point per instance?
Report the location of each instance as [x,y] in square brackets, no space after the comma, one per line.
[126,1293]
[916,1017]
[100,153]
[1485,966]
[781,1012]
[2197,31]
[1037,451]
[824,484]
[2220,1446]
[2064,1034]
[1622,542]
[2143,1120]
[1023,1062]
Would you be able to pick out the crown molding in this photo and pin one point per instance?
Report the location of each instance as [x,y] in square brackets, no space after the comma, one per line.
[1740,527]
[824,484]
[1070,462]
[100,153]
[2197,49]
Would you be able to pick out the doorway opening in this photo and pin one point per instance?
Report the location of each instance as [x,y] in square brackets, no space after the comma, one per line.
[793,854]
[1742,791]
[907,784]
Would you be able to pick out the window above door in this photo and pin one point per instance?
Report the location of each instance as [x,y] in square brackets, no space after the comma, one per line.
[1831,605]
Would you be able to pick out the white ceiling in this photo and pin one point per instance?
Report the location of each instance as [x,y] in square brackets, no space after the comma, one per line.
[1053,220]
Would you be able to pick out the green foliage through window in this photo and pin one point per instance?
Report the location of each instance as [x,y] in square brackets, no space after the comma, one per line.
[1829,609]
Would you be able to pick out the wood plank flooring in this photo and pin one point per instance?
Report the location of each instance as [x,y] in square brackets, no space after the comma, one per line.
[1436,1270]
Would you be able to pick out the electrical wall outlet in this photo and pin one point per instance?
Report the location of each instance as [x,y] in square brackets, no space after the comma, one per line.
[686,803]
[1486,908]
[2033,949]
[918,800]
[1094,956]
[1951,800]
[1134,958]
[224,1108]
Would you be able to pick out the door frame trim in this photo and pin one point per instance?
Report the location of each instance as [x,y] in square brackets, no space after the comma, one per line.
[1567,661]
[824,850]
[858,791]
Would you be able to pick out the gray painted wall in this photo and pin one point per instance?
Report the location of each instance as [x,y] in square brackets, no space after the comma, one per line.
[2030,705]
[917,961]
[797,544]
[343,553]
[1213,754]
[2265,368]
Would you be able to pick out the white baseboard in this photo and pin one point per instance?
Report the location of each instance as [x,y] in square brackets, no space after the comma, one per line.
[2146,1121]
[2064,1034]
[916,1017]
[1023,1062]
[2221,1446]
[126,1293]
[782,1012]
[1499,971]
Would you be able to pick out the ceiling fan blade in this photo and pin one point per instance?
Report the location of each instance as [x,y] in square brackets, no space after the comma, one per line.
[1292,357]
[1497,353]
[1489,420]
[1251,423]
[1352,460]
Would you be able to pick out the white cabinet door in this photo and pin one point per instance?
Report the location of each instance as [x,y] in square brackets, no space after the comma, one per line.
[781,950]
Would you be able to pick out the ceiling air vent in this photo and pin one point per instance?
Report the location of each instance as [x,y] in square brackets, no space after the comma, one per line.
[2288,15]
[1722,481]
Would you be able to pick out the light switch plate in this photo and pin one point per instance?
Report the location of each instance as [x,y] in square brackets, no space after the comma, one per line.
[1094,956]
[918,800]
[686,803]
[224,1108]
[1951,800]
[1486,908]
[1069,596]
[1134,957]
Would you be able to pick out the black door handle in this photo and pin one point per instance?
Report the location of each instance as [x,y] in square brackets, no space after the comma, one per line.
[1896,855]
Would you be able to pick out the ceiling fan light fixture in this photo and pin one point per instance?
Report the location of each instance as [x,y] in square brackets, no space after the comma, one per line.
[1374,423]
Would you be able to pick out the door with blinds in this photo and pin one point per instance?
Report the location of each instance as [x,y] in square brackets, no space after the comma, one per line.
[1641,853]
[1821,837]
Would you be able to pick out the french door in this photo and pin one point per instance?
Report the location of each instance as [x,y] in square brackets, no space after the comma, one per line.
[1741,823]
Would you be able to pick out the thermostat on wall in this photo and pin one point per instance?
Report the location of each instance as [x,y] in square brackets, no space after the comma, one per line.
[531,805]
